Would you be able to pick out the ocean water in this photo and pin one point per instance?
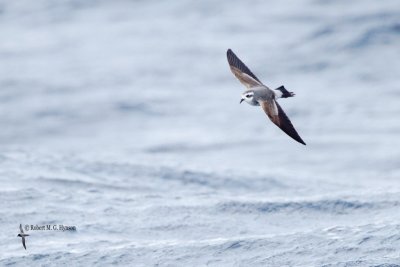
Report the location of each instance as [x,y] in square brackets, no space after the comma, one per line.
[122,118]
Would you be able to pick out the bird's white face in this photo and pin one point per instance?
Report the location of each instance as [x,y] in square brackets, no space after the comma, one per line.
[248,97]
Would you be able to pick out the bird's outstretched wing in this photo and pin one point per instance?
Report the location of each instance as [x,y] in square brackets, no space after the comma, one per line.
[23,242]
[241,71]
[279,118]
[20,228]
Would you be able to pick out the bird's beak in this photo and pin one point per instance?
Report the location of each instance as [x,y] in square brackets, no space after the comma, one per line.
[241,100]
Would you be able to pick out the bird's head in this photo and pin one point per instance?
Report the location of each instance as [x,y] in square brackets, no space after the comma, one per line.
[247,96]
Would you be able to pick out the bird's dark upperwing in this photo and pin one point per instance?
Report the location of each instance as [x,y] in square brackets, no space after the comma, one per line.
[23,242]
[279,118]
[241,71]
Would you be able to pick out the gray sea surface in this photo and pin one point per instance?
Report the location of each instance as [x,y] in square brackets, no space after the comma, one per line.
[122,118]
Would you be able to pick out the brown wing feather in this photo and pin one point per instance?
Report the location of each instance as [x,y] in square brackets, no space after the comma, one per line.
[245,79]
[280,119]
[241,71]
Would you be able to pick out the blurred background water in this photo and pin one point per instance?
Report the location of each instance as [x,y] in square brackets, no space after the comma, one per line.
[122,118]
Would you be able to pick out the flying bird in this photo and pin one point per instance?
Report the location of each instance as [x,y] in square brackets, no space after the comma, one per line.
[258,94]
[22,235]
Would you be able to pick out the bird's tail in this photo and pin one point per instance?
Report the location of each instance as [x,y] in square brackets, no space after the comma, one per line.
[285,93]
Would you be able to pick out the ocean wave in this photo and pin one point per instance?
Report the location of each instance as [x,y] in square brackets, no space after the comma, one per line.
[194,148]
[123,171]
[382,34]
[132,107]
[331,206]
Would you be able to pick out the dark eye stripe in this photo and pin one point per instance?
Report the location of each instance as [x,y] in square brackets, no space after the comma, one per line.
[248,96]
